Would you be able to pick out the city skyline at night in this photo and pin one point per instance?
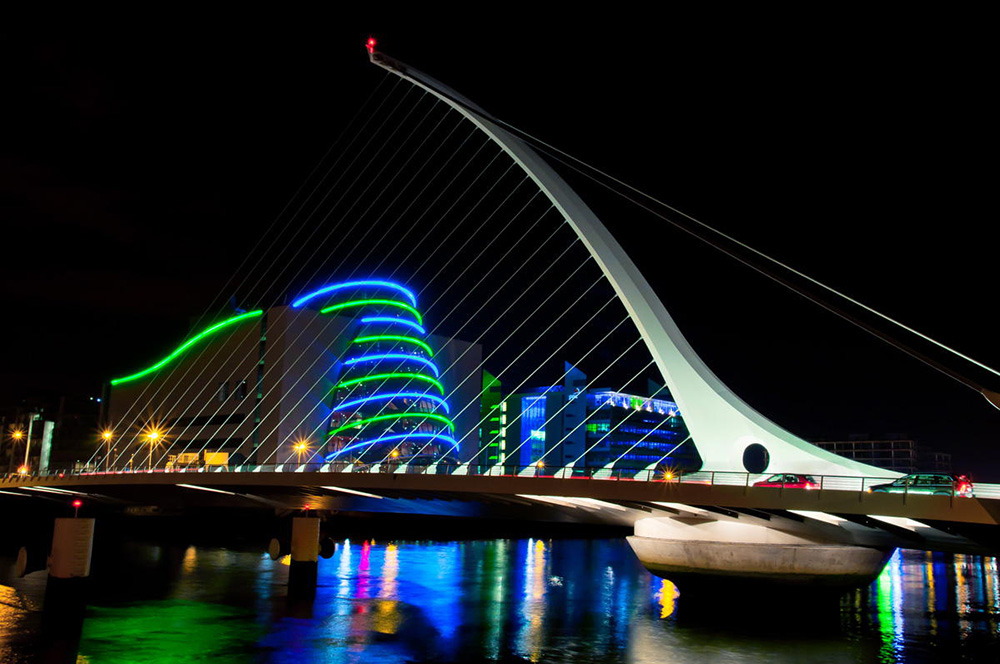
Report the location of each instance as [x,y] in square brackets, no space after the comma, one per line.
[853,165]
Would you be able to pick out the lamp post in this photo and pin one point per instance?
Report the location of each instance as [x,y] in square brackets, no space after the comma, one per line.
[16,435]
[107,435]
[153,436]
[300,448]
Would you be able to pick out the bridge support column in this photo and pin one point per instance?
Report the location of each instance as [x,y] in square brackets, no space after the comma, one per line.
[695,553]
[305,553]
[69,564]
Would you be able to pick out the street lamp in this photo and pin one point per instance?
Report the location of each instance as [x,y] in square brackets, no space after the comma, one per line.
[300,447]
[107,435]
[15,435]
[153,436]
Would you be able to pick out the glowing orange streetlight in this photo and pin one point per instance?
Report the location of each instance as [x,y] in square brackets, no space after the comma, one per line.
[300,447]
[107,435]
[153,436]
[17,435]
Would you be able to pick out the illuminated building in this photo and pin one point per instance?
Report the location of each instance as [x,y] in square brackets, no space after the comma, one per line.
[896,452]
[491,432]
[389,404]
[350,365]
[562,424]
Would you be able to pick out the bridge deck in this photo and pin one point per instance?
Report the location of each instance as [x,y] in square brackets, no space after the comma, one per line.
[290,487]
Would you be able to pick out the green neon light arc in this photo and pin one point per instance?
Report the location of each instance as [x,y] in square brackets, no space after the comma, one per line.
[390,376]
[187,344]
[395,337]
[363,303]
[393,416]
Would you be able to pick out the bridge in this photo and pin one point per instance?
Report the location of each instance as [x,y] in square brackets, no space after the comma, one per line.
[697,515]
[707,509]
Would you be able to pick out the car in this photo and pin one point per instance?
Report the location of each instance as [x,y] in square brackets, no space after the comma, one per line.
[937,484]
[789,481]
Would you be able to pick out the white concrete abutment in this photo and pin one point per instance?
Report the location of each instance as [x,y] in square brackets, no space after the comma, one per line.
[693,550]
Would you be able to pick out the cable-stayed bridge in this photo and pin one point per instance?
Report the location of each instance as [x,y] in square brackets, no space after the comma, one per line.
[466,267]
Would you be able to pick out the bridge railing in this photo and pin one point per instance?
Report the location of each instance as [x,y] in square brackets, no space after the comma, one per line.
[704,477]
[712,478]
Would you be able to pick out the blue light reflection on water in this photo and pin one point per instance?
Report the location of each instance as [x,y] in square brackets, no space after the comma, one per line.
[532,600]
[935,607]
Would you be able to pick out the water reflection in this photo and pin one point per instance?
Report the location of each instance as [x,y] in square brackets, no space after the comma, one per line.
[533,605]
[509,600]
[934,606]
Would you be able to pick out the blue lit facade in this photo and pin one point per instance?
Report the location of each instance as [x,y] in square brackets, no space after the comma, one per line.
[596,428]
[638,431]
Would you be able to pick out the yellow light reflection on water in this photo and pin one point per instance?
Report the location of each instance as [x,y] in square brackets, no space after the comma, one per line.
[962,597]
[538,575]
[190,559]
[530,636]
[13,606]
[931,591]
[387,617]
[390,570]
[667,598]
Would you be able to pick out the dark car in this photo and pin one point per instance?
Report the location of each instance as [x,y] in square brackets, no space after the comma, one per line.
[790,481]
[937,484]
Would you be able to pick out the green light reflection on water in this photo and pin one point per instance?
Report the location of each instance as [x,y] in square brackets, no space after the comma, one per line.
[889,600]
[168,631]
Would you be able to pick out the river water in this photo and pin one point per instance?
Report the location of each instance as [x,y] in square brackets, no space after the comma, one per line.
[519,600]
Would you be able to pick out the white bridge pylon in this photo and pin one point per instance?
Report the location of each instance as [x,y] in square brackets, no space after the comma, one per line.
[722,426]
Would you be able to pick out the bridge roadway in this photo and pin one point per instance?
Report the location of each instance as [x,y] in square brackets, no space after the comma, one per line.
[946,523]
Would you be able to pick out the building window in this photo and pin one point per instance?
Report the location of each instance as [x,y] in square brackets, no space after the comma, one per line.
[223,392]
[241,390]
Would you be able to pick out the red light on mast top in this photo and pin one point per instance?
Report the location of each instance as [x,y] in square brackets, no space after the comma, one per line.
[370,45]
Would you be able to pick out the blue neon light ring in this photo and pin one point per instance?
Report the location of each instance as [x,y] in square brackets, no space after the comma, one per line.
[399,395]
[395,356]
[383,439]
[357,284]
[394,321]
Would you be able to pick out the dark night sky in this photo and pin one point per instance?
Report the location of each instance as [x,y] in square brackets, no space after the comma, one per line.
[139,166]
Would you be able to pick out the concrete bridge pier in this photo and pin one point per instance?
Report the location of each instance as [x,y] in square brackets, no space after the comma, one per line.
[69,565]
[699,552]
[305,548]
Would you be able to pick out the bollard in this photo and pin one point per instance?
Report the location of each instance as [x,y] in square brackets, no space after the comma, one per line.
[69,564]
[305,553]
